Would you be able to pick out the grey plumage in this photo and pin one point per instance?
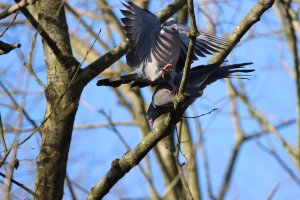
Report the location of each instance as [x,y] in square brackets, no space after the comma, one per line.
[157,53]
[199,77]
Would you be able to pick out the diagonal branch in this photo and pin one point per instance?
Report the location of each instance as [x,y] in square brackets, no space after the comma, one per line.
[61,57]
[20,185]
[247,22]
[123,165]
[16,7]
[2,135]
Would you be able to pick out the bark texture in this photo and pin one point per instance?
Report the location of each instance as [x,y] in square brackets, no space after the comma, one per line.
[57,130]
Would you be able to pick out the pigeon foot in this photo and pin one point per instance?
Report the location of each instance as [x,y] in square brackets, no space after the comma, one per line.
[165,70]
[150,122]
[175,91]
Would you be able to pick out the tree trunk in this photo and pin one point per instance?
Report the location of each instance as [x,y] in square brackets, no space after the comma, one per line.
[57,130]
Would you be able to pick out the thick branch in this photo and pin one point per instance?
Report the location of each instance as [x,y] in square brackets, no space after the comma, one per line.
[121,166]
[247,22]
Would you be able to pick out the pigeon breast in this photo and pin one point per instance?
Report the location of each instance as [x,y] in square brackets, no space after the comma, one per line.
[166,50]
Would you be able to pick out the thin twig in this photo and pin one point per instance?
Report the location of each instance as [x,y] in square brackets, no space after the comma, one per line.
[65,60]
[78,127]
[30,63]
[61,97]
[10,24]
[16,7]
[2,134]
[271,151]
[194,117]
[21,186]
[69,184]
[266,131]
[19,107]
[273,191]
[86,26]
[8,182]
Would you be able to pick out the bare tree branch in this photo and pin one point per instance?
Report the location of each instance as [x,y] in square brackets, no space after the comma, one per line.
[283,9]
[6,48]
[60,54]
[16,7]
[247,22]
[273,191]
[2,134]
[21,186]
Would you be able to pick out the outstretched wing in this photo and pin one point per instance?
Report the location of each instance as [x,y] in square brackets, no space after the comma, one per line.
[142,28]
[206,44]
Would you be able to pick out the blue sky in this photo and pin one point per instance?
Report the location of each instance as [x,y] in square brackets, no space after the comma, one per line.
[270,89]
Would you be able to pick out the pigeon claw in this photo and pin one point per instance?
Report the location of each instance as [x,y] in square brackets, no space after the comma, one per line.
[175,91]
[165,70]
[174,27]
[151,122]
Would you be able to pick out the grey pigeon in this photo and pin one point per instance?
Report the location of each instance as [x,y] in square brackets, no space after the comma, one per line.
[199,77]
[156,53]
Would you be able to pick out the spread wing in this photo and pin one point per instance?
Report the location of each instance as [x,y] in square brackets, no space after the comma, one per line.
[206,44]
[142,28]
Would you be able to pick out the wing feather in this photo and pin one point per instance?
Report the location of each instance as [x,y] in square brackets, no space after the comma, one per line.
[142,28]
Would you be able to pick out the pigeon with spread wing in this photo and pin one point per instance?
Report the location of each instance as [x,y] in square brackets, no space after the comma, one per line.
[157,53]
[199,77]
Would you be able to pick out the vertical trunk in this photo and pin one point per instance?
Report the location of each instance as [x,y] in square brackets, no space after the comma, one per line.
[190,153]
[57,130]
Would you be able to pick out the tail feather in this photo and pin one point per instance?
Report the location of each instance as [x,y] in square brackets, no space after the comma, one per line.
[117,81]
[230,71]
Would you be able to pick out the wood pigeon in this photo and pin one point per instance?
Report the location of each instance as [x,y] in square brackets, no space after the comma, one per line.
[157,53]
[199,77]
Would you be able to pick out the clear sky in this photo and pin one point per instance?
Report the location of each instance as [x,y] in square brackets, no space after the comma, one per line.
[270,89]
